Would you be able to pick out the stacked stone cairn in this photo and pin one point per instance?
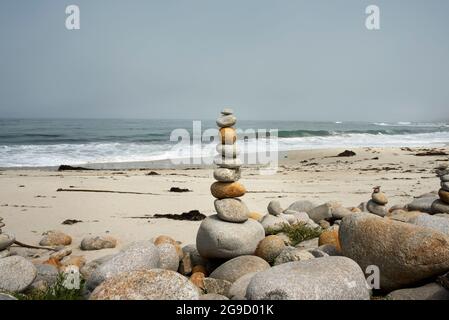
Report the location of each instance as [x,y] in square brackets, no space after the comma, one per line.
[377,204]
[229,233]
[441,205]
[6,240]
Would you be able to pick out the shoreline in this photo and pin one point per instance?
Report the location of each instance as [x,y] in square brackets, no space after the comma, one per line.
[169,165]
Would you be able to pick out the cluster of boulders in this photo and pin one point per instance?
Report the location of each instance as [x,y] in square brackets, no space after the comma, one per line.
[24,270]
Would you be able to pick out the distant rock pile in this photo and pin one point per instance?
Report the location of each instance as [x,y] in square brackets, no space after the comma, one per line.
[442,204]
[377,204]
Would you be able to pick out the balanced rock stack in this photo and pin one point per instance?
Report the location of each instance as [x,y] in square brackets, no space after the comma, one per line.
[442,205]
[377,204]
[229,233]
[6,240]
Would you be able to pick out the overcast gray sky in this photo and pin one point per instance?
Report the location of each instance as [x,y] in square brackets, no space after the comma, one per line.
[284,60]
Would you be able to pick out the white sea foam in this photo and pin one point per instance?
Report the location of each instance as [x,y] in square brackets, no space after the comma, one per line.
[78,154]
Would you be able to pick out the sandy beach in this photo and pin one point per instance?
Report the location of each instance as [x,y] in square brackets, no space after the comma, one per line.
[30,203]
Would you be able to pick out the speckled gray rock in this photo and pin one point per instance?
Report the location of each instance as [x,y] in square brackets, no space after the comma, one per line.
[439,206]
[431,291]
[330,249]
[231,210]
[195,257]
[434,222]
[221,239]
[301,217]
[227,175]
[213,296]
[98,243]
[237,291]
[47,273]
[405,253]
[308,244]
[6,240]
[302,206]
[274,208]
[329,278]
[228,163]
[423,204]
[155,284]
[318,253]
[5,296]
[142,255]
[87,270]
[16,274]
[217,286]
[291,219]
[292,254]
[237,267]
[322,212]
[272,223]
[168,257]
[377,209]
[225,121]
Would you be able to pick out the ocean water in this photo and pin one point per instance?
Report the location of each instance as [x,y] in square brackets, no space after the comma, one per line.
[37,143]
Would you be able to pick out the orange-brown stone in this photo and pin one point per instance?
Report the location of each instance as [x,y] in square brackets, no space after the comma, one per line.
[221,190]
[330,236]
[228,135]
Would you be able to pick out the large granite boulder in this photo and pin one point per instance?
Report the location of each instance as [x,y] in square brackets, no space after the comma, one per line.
[406,254]
[327,278]
[155,284]
[238,267]
[221,239]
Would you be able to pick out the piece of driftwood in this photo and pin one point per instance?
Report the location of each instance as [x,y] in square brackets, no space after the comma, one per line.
[105,191]
[24,245]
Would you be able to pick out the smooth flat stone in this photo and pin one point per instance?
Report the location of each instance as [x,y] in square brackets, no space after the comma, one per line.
[439,206]
[221,190]
[231,210]
[376,208]
[227,163]
[227,111]
[379,198]
[227,175]
[226,121]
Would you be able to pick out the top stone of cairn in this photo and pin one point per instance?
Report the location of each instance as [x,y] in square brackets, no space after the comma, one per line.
[227,111]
